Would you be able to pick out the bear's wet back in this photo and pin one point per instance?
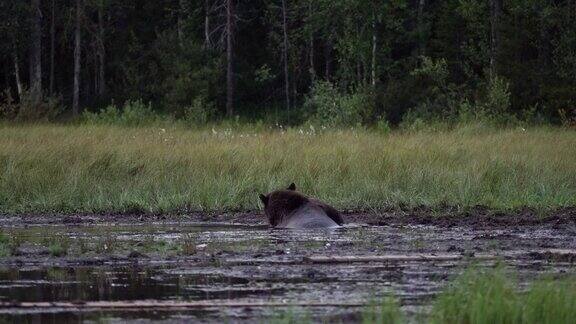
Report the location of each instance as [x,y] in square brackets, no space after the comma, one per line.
[282,204]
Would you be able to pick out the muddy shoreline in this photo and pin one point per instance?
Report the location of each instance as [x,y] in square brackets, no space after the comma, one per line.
[475,217]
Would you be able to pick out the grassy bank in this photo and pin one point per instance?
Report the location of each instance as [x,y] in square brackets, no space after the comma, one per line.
[104,168]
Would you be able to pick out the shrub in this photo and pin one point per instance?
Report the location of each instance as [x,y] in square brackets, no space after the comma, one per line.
[383,126]
[28,109]
[134,113]
[568,117]
[497,100]
[435,71]
[437,96]
[8,105]
[331,107]
[200,112]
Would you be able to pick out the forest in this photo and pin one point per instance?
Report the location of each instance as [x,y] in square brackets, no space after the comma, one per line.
[331,62]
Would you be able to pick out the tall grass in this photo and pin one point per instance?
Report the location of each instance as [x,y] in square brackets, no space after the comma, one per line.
[387,311]
[106,168]
[479,298]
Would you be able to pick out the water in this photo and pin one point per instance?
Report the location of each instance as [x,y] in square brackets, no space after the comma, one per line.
[219,264]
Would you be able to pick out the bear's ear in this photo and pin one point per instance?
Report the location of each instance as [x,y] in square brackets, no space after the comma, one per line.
[292,186]
[264,199]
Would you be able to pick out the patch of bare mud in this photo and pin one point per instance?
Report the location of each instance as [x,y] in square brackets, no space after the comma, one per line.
[476,217]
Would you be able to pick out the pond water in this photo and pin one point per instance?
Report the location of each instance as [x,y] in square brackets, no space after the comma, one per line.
[241,273]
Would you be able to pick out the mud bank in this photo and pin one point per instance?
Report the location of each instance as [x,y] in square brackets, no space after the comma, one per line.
[446,216]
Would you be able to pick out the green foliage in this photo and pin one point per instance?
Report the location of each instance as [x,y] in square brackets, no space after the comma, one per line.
[57,249]
[491,297]
[330,107]
[27,109]
[383,126]
[4,245]
[57,245]
[10,243]
[429,61]
[387,312]
[8,105]
[550,301]
[568,118]
[200,112]
[497,100]
[478,298]
[190,75]
[435,70]
[438,98]
[134,113]
[290,316]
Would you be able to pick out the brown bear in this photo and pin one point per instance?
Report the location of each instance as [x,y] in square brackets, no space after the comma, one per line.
[291,209]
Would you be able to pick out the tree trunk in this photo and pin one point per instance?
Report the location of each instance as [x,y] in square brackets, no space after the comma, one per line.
[286,76]
[181,17]
[359,78]
[17,74]
[77,55]
[101,54]
[230,82]
[207,42]
[312,69]
[375,40]
[52,46]
[328,58]
[374,50]
[495,13]
[421,42]
[36,53]
[544,41]
[95,65]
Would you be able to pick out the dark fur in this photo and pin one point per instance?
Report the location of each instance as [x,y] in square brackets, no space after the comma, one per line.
[280,203]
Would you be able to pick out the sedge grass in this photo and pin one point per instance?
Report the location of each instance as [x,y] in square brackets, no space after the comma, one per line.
[480,297]
[89,168]
[491,298]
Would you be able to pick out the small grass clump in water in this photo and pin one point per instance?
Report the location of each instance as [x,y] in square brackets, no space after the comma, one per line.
[58,246]
[55,168]
[4,245]
[388,311]
[290,316]
[187,245]
[492,298]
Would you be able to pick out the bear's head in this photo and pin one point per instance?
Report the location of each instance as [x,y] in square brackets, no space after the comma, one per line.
[280,203]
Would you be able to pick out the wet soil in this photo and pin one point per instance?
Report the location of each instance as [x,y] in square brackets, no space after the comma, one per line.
[446,216]
[231,267]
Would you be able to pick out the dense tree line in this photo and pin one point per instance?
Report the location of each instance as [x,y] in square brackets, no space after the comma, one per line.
[362,60]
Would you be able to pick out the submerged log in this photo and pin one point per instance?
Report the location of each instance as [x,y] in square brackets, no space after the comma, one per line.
[553,254]
[165,304]
[396,258]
